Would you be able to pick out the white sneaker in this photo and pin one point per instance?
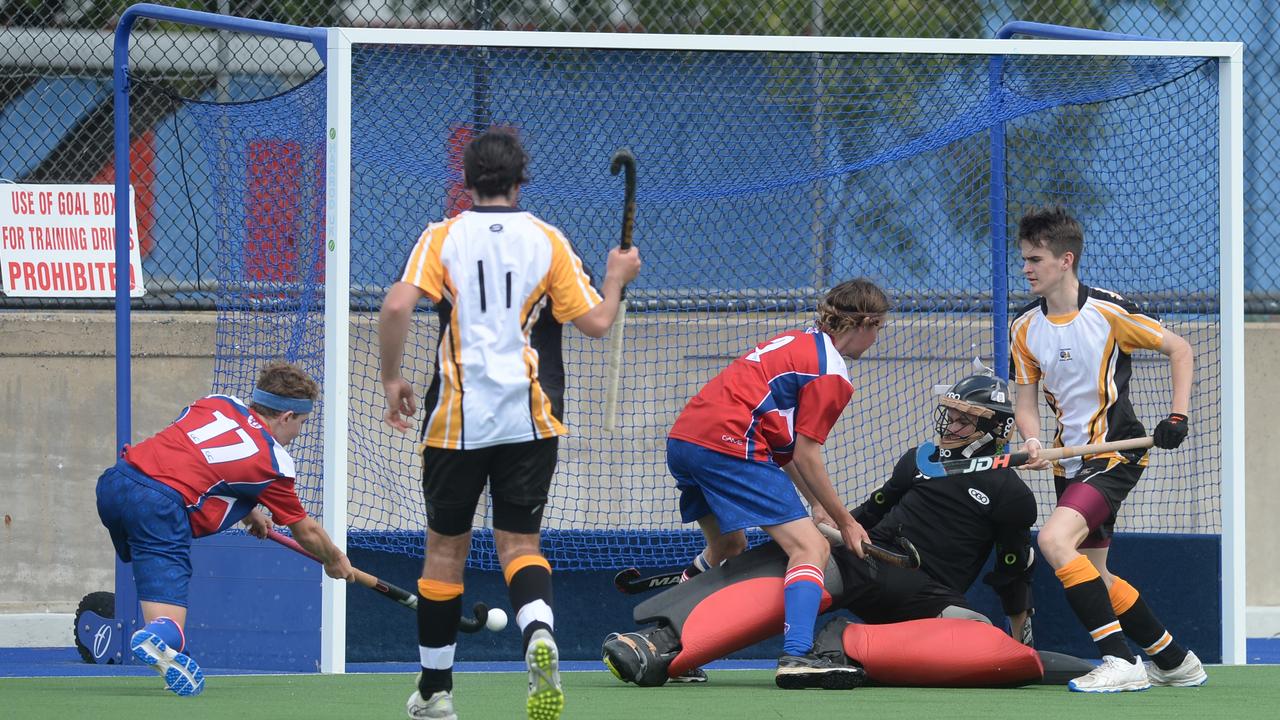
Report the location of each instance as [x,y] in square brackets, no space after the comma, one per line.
[546,697]
[1113,675]
[1190,673]
[437,707]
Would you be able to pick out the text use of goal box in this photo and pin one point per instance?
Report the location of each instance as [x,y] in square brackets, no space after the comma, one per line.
[59,241]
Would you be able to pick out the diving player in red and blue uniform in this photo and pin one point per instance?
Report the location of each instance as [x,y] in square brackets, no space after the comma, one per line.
[756,430]
[202,474]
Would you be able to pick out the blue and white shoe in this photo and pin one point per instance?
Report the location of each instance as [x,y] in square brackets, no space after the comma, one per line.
[1113,675]
[182,675]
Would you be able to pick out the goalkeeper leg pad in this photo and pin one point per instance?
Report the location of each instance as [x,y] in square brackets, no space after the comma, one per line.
[941,652]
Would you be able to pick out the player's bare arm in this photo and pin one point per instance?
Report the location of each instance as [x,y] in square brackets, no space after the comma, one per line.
[812,470]
[820,516]
[621,269]
[393,329]
[257,523]
[1026,414]
[311,536]
[1172,430]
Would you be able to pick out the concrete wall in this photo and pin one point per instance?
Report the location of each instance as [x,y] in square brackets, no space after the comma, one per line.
[57,423]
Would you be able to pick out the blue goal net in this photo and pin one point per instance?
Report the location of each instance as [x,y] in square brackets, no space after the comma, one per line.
[764,179]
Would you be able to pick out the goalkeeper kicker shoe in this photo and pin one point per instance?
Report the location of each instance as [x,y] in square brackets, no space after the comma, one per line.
[437,707]
[1190,673]
[546,697]
[797,672]
[1113,675]
[182,675]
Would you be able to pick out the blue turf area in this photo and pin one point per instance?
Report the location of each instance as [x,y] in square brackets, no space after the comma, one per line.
[65,662]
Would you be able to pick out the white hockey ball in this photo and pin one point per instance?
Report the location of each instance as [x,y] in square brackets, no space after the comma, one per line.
[497,619]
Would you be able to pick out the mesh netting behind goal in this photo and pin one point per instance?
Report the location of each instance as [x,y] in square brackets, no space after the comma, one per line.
[764,178]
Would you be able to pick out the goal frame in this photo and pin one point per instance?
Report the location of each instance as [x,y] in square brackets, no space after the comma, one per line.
[335,46]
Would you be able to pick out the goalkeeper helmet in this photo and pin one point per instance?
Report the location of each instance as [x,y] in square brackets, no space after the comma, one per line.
[975,414]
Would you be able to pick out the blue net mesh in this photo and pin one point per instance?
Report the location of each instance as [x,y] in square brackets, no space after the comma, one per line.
[764,178]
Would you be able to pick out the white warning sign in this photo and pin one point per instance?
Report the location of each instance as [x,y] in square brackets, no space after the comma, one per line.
[60,241]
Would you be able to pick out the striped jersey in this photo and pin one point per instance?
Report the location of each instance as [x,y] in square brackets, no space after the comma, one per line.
[1082,360]
[794,383]
[223,461]
[503,281]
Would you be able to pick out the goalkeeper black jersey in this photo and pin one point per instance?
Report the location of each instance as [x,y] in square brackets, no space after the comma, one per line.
[954,521]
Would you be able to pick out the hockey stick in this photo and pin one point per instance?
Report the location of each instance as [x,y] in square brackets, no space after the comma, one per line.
[906,556]
[629,581]
[622,158]
[961,466]
[479,612]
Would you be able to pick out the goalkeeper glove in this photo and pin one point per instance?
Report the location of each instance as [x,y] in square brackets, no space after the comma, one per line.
[1171,431]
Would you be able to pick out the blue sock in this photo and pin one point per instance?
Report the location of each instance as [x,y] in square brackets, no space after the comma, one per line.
[168,631]
[802,595]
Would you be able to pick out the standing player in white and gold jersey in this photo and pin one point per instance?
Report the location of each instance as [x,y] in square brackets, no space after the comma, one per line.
[503,282]
[1076,342]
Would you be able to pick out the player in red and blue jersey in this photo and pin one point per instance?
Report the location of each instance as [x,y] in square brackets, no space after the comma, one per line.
[755,431]
[202,474]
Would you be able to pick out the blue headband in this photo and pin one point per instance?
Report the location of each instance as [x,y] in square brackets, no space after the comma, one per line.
[300,406]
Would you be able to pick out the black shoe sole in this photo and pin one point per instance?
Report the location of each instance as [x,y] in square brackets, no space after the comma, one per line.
[830,680]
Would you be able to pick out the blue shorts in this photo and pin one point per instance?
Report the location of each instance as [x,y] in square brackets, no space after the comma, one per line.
[740,493]
[149,528]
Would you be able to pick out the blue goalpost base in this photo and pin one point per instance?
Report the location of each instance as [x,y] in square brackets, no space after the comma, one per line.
[254,605]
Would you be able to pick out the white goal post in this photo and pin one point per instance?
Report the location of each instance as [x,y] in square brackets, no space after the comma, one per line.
[1228,55]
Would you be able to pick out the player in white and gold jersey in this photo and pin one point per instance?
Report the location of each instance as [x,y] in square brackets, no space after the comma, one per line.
[1076,342]
[503,282]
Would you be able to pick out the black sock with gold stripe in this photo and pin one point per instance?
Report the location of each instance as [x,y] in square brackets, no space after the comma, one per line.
[1143,627]
[439,613]
[529,587]
[1087,595]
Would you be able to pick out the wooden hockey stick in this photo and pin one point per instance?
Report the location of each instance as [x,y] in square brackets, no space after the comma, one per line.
[479,612]
[622,158]
[941,468]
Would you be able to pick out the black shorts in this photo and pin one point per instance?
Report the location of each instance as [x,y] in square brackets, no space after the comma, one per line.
[880,593]
[518,474]
[1112,479]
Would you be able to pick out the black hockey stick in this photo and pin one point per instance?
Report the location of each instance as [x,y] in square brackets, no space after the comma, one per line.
[629,581]
[905,556]
[962,466]
[479,611]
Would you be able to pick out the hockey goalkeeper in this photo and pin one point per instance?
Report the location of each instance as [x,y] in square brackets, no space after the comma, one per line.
[920,628]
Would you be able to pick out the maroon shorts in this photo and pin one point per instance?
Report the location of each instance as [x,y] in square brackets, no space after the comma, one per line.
[1097,491]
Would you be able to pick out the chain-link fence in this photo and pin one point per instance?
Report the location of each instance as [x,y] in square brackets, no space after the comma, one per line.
[56,105]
